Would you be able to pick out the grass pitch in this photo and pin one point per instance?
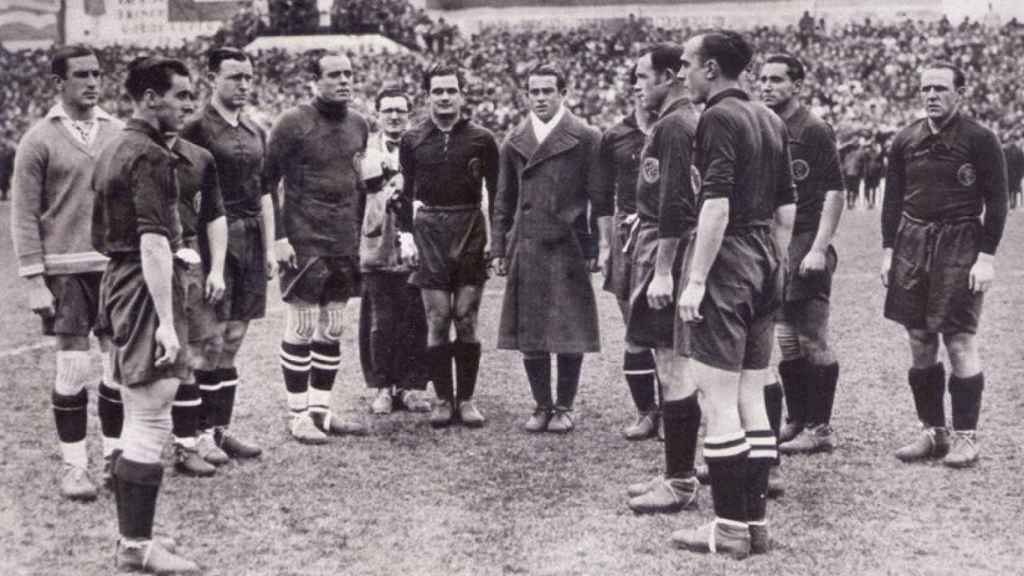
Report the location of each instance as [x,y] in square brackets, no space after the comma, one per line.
[409,500]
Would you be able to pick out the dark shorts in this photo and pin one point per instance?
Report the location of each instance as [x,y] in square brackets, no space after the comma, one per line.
[620,262]
[320,280]
[201,315]
[131,315]
[76,299]
[812,286]
[929,282]
[648,327]
[744,291]
[245,276]
[450,241]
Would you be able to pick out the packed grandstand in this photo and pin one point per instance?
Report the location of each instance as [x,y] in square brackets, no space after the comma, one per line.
[861,76]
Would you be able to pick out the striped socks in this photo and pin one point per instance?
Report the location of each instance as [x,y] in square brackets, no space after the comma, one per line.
[638,368]
[295,365]
[726,456]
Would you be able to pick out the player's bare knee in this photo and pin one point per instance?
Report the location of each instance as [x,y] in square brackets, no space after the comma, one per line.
[465,327]
[816,350]
[963,354]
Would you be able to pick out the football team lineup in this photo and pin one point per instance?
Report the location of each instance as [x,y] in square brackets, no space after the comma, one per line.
[704,257]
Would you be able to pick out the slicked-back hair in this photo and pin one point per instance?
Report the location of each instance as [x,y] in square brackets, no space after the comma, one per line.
[440,70]
[216,56]
[959,80]
[152,73]
[666,56]
[548,70]
[314,66]
[794,68]
[60,57]
[391,93]
[727,47]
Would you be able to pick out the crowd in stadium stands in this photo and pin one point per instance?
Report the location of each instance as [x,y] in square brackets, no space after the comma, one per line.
[861,75]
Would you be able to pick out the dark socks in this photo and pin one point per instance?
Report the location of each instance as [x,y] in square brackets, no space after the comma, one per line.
[794,384]
[966,396]
[295,360]
[185,411]
[929,387]
[538,373]
[682,423]
[208,383]
[726,457]
[226,396]
[136,488]
[821,392]
[69,412]
[111,411]
[467,366]
[569,368]
[639,371]
[773,406]
[763,454]
[439,362]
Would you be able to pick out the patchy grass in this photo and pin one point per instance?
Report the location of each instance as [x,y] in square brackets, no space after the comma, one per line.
[410,500]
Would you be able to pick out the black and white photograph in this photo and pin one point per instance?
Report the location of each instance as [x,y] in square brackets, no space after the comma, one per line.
[511,287]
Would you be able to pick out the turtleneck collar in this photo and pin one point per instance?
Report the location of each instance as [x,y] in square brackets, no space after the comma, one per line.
[332,110]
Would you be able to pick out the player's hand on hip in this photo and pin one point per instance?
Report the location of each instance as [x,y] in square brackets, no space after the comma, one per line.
[167,345]
[813,263]
[690,300]
[659,292]
[284,253]
[983,273]
[40,299]
[214,286]
[886,270]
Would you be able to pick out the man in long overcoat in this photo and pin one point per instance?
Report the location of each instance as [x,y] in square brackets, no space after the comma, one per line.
[541,239]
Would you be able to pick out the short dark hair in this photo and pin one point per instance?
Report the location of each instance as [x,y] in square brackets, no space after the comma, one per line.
[544,69]
[60,57]
[391,93]
[314,63]
[666,56]
[152,73]
[794,68]
[727,47]
[959,80]
[440,70]
[215,56]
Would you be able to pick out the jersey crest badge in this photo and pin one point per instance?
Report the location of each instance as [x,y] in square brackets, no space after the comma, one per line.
[651,170]
[474,169]
[801,169]
[967,175]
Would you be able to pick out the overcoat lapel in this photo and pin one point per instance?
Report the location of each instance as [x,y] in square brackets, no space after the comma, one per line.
[562,139]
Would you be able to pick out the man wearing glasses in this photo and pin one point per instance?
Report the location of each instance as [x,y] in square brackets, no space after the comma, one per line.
[392,324]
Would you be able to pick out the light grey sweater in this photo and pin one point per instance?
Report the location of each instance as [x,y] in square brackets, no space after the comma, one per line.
[51,215]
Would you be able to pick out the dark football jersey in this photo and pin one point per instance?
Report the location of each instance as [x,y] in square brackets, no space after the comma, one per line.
[815,166]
